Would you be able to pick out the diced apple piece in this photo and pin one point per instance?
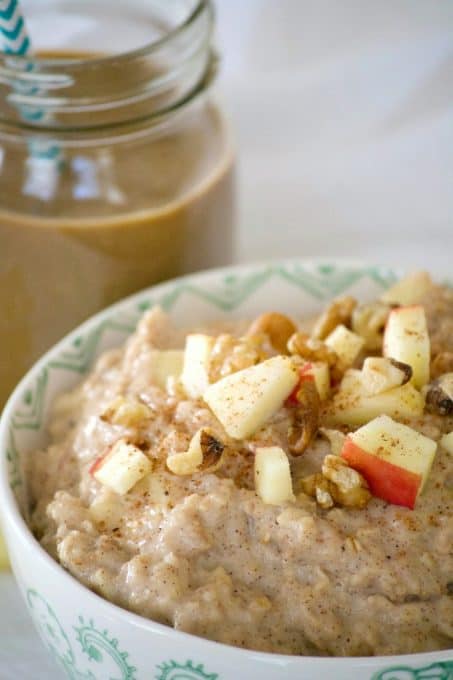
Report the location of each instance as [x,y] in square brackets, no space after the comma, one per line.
[447,442]
[352,381]
[318,371]
[166,364]
[346,344]
[106,509]
[195,372]
[381,374]
[4,562]
[406,339]
[350,407]
[273,475]
[122,467]
[245,400]
[394,459]
[204,452]
[409,290]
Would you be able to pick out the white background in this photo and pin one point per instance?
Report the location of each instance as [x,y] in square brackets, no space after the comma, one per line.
[343,115]
[344,120]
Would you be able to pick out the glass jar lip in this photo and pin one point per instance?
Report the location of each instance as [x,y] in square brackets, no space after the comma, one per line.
[118,132]
[138,52]
[42,95]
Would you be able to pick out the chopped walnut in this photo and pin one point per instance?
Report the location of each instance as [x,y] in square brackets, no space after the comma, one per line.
[306,418]
[318,487]
[337,484]
[212,450]
[350,488]
[230,354]
[203,454]
[127,411]
[338,312]
[324,498]
[278,327]
[311,349]
[369,321]
[439,395]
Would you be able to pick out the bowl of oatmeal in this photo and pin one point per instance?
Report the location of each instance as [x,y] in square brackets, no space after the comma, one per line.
[246,472]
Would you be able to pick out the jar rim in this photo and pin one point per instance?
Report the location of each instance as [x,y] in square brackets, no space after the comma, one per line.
[145,50]
[44,100]
[113,133]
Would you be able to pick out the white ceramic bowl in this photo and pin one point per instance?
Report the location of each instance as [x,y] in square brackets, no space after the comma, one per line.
[93,639]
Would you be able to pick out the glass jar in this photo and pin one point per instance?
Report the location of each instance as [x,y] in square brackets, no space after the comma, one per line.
[115,171]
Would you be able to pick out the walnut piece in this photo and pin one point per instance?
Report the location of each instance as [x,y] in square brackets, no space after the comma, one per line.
[439,397]
[230,354]
[127,411]
[204,453]
[318,487]
[338,312]
[278,327]
[311,349]
[212,450]
[305,418]
[337,484]
[350,488]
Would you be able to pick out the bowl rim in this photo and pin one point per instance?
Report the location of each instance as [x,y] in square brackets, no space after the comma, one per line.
[10,514]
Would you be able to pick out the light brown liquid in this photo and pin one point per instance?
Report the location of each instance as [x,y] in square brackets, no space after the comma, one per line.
[162,209]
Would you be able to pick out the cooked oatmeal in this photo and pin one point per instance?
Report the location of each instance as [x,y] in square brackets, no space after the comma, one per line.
[270,487]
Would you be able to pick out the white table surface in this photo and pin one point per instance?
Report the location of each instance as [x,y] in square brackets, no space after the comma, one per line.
[343,113]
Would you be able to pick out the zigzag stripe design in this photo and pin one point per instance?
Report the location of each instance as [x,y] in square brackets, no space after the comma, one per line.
[15,41]
[12,456]
[21,48]
[13,33]
[12,28]
[30,416]
[9,11]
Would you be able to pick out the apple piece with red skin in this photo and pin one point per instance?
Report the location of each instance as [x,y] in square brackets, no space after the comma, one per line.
[312,371]
[394,459]
[406,339]
[292,400]
[97,464]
